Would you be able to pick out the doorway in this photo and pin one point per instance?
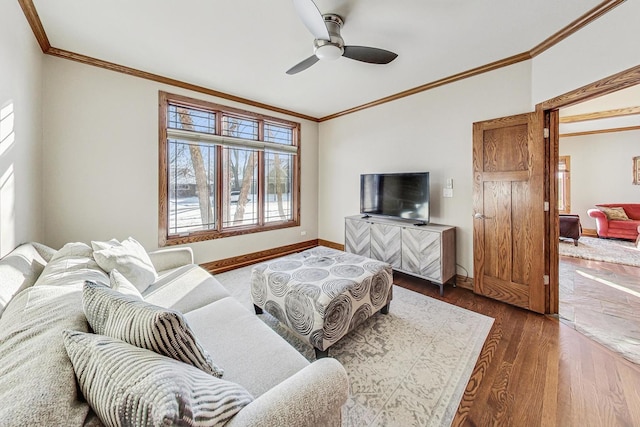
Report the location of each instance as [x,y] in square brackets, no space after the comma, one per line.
[622,80]
[598,298]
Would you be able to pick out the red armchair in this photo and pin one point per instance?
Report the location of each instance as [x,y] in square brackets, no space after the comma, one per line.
[623,229]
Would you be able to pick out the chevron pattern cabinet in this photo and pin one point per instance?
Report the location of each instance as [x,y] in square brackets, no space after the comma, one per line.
[357,237]
[386,244]
[427,251]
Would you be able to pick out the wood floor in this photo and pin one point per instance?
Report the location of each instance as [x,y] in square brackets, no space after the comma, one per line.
[602,300]
[537,371]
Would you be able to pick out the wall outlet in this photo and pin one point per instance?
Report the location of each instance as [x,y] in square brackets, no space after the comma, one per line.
[303,233]
[447,192]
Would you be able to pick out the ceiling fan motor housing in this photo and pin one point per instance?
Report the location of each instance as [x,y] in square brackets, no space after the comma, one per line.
[334,47]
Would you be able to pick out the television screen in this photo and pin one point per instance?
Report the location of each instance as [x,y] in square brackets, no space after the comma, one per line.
[401,195]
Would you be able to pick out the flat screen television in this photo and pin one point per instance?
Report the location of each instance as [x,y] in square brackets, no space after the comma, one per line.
[397,195]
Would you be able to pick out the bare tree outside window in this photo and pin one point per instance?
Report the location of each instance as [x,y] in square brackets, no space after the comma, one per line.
[227,171]
[202,183]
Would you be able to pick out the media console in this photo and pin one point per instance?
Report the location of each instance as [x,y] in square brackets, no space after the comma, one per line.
[428,251]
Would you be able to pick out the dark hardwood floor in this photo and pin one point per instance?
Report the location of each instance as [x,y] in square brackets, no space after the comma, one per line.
[537,371]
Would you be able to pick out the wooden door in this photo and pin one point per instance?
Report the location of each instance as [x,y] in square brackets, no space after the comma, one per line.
[508,225]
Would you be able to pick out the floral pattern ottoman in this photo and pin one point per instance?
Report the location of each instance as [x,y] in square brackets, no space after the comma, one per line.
[321,294]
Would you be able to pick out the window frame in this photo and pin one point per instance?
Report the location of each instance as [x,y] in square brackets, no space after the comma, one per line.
[564,184]
[164,238]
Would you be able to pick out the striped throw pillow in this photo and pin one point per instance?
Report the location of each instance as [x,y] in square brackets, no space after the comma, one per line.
[129,386]
[130,319]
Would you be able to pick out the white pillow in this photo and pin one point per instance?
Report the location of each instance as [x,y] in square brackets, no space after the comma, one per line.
[72,265]
[98,245]
[120,283]
[129,258]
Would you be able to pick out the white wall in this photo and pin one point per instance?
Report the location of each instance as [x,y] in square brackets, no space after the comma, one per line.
[605,47]
[100,145]
[430,131]
[101,168]
[20,130]
[601,170]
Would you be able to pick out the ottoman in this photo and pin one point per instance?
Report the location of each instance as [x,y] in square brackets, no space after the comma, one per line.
[570,227]
[321,294]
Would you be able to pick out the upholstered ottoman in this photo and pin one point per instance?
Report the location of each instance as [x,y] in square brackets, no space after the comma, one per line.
[321,294]
[570,227]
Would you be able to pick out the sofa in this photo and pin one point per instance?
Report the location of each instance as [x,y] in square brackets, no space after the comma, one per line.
[45,331]
[617,220]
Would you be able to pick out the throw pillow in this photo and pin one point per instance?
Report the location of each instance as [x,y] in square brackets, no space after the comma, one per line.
[99,245]
[614,213]
[127,385]
[37,383]
[71,266]
[120,283]
[130,319]
[129,258]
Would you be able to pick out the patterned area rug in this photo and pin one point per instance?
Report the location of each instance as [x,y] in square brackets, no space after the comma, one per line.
[607,250]
[407,368]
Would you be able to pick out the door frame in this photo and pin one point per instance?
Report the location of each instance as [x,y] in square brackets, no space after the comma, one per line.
[550,107]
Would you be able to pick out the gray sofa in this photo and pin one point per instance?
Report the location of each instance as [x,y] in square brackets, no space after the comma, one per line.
[37,381]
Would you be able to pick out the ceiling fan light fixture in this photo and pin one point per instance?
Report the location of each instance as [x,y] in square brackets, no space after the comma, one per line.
[329,51]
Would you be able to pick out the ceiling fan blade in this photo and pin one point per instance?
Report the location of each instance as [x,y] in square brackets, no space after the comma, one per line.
[303,65]
[371,55]
[312,18]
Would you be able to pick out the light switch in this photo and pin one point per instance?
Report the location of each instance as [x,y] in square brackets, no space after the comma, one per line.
[449,183]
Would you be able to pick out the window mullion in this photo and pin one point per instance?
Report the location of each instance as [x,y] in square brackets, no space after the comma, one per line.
[220,202]
[261,178]
[252,134]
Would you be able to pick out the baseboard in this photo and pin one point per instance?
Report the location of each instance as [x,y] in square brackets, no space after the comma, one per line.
[589,232]
[465,282]
[330,244]
[222,265]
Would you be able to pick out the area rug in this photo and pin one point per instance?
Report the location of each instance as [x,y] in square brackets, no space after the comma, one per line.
[607,250]
[407,368]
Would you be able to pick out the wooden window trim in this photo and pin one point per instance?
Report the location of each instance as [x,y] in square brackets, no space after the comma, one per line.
[566,184]
[164,239]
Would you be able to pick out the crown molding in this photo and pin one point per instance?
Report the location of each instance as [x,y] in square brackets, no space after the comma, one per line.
[582,21]
[34,21]
[61,53]
[594,132]
[618,112]
[565,32]
[454,78]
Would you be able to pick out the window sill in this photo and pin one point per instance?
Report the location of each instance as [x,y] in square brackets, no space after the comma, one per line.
[203,236]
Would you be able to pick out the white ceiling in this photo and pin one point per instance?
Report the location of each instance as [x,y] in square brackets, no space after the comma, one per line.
[244,47]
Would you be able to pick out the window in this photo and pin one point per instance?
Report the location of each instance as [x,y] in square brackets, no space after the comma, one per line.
[564,184]
[224,171]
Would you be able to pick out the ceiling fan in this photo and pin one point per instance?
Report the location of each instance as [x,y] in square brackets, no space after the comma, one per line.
[328,43]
